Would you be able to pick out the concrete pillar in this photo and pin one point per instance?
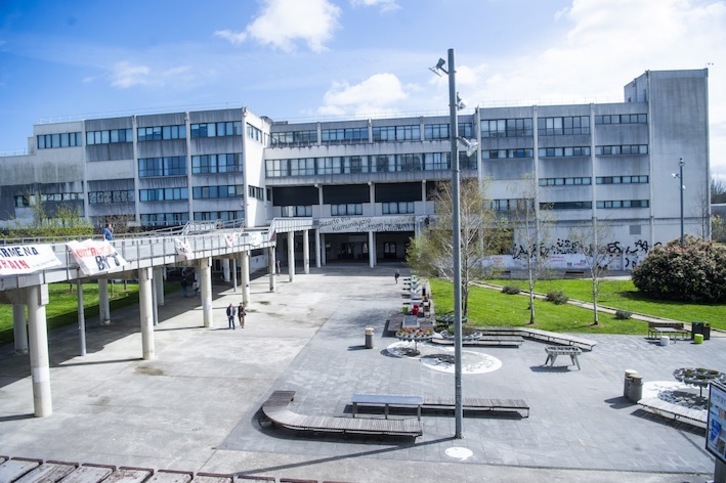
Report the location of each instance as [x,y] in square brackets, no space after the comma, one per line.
[159,278]
[323,251]
[104,309]
[146,312]
[20,329]
[271,267]
[291,254]
[306,252]
[244,261]
[317,248]
[234,275]
[371,249]
[225,270]
[205,272]
[154,300]
[37,298]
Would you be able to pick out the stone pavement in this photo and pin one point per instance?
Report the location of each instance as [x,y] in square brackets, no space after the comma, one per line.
[196,406]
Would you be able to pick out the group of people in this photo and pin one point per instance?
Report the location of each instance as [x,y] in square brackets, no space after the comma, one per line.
[236,312]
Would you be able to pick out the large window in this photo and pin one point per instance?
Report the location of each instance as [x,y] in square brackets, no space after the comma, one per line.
[621,119]
[164,194]
[348,135]
[158,133]
[253,132]
[256,192]
[164,219]
[567,205]
[346,209]
[581,180]
[564,151]
[622,149]
[214,192]
[111,196]
[216,129]
[59,140]
[109,137]
[297,211]
[507,153]
[514,204]
[302,167]
[294,137]
[436,131]
[553,126]
[608,204]
[167,166]
[217,163]
[621,179]
[277,168]
[500,128]
[217,215]
[397,133]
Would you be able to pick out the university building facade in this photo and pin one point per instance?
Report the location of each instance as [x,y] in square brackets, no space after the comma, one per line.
[367,183]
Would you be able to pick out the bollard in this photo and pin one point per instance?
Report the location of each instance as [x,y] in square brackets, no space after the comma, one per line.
[664,340]
[369,337]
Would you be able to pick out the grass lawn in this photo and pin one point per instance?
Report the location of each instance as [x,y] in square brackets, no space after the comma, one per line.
[63,307]
[493,308]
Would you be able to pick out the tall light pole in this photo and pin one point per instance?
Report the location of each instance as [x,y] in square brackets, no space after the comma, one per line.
[681,188]
[456,228]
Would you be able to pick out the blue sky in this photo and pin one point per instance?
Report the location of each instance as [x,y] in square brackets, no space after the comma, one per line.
[316,59]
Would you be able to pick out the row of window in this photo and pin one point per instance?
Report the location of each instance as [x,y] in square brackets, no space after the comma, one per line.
[360,134]
[111,196]
[164,194]
[518,204]
[109,136]
[256,192]
[255,133]
[214,192]
[556,126]
[622,119]
[581,180]
[217,163]
[23,201]
[587,205]
[216,129]
[621,179]
[179,218]
[586,180]
[159,133]
[507,153]
[300,210]
[365,164]
[399,208]
[166,166]
[564,151]
[349,209]
[59,140]
[621,149]
[501,128]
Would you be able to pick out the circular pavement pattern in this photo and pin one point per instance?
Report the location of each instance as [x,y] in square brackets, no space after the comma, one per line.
[441,359]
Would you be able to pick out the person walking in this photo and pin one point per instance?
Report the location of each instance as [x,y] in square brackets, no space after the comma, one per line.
[230,317]
[396,275]
[108,232]
[241,312]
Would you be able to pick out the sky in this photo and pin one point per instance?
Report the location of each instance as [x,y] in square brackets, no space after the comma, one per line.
[306,60]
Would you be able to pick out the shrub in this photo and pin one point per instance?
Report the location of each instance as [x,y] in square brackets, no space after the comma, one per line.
[557,297]
[510,290]
[623,314]
[694,272]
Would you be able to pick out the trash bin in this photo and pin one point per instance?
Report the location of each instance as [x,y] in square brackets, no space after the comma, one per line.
[664,340]
[636,389]
[629,374]
[703,328]
[698,338]
[369,337]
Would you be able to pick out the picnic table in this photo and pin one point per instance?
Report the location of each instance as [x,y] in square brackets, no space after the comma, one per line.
[554,351]
[387,400]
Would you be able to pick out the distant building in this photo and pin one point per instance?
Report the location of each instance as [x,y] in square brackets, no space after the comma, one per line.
[366,182]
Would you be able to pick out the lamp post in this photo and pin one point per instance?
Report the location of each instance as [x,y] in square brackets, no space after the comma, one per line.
[681,188]
[456,228]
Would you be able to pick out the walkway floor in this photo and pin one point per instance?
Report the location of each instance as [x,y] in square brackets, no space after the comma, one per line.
[196,406]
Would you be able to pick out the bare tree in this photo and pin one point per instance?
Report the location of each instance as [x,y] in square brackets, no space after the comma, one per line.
[591,241]
[718,191]
[431,252]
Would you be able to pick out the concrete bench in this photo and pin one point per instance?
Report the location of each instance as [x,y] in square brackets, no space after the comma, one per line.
[676,411]
[276,409]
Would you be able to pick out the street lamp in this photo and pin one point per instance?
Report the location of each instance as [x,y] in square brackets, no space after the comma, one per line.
[455,104]
[681,188]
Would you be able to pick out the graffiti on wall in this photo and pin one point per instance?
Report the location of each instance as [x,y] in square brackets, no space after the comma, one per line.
[620,257]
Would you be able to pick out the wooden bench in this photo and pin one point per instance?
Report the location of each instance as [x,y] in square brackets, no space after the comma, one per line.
[387,401]
[557,338]
[676,411]
[554,351]
[659,329]
[486,340]
[479,404]
[276,409]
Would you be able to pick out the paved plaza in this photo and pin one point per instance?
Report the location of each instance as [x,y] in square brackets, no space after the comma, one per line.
[196,407]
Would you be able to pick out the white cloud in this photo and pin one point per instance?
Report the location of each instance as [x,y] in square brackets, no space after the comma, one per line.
[375,95]
[125,74]
[283,22]
[384,5]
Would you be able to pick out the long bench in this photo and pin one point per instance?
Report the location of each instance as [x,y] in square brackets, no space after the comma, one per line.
[486,340]
[276,408]
[676,411]
[479,404]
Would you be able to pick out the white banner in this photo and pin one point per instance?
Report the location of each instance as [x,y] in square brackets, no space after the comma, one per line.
[183,248]
[95,256]
[27,259]
[353,224]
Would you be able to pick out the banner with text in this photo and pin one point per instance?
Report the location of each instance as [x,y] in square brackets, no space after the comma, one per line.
[95,256]
[343,224]
[27,259]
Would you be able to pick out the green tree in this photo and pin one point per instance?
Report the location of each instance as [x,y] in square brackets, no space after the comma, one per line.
[483,233]
[65,222]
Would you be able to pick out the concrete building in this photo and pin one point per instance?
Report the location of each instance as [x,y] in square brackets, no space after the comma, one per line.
[366,183]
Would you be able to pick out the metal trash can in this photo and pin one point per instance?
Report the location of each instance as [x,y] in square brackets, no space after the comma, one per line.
[703,328]
[369,337]
[629,374]
[636,389]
